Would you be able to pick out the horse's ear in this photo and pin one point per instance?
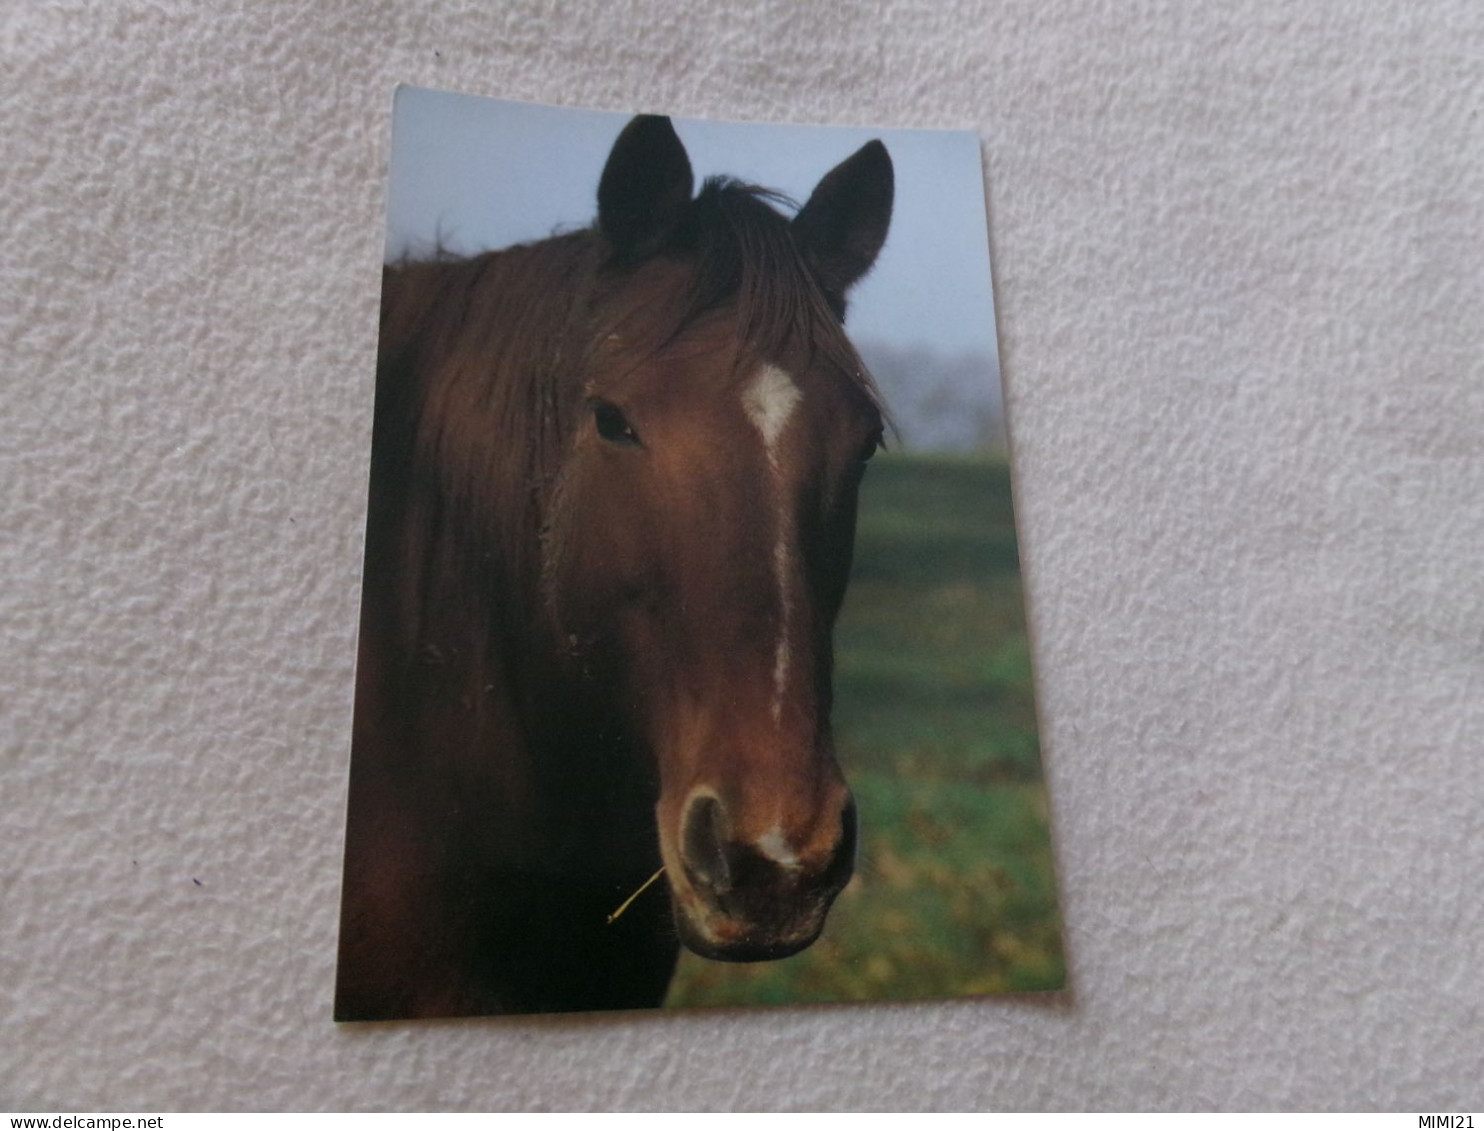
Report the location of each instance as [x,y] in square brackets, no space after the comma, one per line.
[645,188]
[841,230]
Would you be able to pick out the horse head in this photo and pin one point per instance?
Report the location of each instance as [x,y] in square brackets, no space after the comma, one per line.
[698,535]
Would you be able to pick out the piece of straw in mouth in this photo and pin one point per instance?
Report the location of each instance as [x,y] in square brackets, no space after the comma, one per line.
[624,906]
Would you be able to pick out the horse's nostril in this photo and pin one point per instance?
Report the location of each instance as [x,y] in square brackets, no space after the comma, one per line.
[703,844]
[843,864]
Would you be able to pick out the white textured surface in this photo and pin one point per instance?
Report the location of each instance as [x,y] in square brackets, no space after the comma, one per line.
[1241,274]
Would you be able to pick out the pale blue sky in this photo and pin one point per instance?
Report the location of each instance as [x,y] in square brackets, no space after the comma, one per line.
[476,174]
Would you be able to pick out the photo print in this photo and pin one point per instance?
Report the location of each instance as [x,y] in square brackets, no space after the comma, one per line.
[692,665]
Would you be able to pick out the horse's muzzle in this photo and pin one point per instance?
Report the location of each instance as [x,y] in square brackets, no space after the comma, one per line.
[759,898]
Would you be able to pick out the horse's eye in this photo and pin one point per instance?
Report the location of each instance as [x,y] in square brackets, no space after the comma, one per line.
[870,447]
[613,426]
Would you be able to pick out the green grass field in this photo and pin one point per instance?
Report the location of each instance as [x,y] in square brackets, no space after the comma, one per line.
[935,725]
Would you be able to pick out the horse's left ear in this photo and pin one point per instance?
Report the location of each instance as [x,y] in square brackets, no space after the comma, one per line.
[841,230]
[645,188]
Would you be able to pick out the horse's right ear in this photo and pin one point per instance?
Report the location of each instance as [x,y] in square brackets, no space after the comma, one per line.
[645,188]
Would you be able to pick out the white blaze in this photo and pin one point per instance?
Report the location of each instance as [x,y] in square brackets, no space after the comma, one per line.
[770,399]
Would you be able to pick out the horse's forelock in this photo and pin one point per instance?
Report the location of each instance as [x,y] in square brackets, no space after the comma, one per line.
[746,255]
[736,254]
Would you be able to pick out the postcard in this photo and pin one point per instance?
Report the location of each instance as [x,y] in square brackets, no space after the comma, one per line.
[693,665]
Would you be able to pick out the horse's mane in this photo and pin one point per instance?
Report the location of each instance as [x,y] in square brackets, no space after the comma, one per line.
[483,362]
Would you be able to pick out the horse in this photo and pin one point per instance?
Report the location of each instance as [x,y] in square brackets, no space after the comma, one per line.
[611,516]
